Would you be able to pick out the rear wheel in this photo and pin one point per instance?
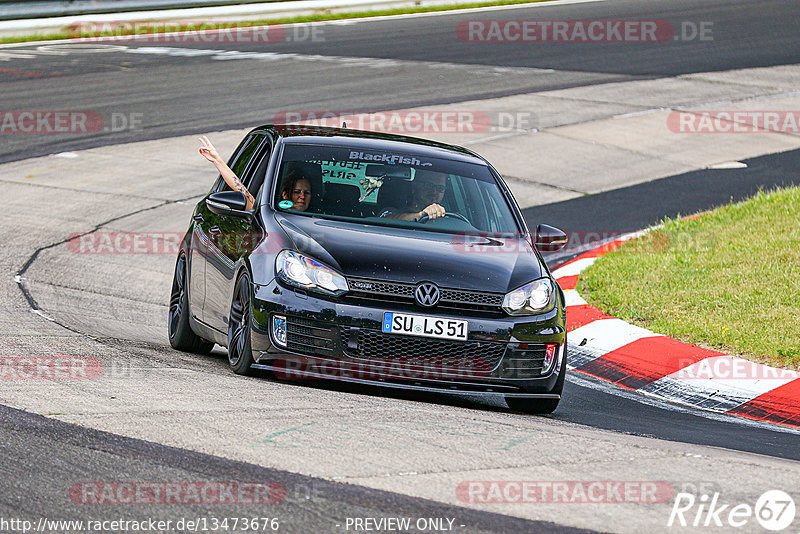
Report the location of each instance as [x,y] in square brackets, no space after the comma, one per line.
[181,336]
[240,355]
[541,406]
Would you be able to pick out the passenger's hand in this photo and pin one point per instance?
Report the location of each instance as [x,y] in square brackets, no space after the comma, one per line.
[208,151]
[434,211]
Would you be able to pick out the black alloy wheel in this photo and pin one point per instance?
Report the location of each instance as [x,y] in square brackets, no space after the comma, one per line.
[240,355]
[181,335]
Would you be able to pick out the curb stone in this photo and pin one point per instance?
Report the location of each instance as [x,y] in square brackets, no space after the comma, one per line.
[638,359]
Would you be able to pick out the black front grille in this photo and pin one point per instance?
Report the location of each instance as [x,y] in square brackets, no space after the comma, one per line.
[395,289]
[310,337]
[378,291]
[523,361]
[418,353]
[472,297]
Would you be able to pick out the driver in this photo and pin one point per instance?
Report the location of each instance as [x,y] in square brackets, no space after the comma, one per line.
[427,191]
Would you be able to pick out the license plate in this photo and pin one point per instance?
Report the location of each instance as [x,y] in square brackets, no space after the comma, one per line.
[420,325]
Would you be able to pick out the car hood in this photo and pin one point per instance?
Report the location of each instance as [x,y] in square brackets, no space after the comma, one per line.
[493,264]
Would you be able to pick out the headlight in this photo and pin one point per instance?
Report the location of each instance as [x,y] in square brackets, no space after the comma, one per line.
[537,297]
[301,271]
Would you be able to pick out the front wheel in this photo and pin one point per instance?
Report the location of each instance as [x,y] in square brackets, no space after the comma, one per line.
[181,336]
[532,406]
[240,355]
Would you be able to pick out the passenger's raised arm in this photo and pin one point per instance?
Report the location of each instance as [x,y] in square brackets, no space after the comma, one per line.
[210,153]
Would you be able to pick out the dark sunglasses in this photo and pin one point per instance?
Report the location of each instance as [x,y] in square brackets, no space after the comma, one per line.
[432,186]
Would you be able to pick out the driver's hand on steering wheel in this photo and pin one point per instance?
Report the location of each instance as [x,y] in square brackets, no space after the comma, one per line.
[434,211]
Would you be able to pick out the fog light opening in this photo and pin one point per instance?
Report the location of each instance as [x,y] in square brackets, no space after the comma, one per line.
[279,330]
[549,358]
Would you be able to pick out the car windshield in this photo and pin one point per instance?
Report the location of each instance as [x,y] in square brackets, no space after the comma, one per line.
[386,188]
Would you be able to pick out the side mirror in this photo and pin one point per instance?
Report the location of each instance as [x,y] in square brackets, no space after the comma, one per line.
[228,203]
[549,239]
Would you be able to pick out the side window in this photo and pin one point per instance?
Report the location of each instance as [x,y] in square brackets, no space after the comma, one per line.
[493,215]
[460,203]
[240,163]
[256,175]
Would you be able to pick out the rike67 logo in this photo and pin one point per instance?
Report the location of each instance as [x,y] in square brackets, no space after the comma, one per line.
[774,510]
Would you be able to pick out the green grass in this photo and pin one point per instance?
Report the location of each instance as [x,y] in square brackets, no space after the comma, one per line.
[729,280]
[317,17]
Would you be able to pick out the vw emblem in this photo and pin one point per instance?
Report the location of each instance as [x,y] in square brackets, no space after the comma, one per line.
[427,294]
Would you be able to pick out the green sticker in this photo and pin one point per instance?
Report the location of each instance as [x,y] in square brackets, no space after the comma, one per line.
[285,204]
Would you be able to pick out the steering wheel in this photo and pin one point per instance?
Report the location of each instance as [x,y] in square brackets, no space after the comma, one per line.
[425,217]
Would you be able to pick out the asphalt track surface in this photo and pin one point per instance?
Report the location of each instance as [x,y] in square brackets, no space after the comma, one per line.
[193,94]
[305,504]
[632,208]
[183,95]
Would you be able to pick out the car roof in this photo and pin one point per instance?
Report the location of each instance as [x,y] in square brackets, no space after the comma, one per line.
[318,135]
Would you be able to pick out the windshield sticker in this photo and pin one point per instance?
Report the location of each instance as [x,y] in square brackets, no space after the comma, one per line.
[285,204]
[388,158]
[344,175]
[346,164]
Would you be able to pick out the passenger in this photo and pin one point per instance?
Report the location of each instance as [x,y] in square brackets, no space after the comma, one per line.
[210,153]
[297,189]
[427,191]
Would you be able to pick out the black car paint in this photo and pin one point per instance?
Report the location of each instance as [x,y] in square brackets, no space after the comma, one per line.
[368,251]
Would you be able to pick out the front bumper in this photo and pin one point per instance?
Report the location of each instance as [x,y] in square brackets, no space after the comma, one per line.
[338,340]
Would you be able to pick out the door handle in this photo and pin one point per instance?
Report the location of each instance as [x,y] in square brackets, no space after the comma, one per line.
[214,230]
[198,218]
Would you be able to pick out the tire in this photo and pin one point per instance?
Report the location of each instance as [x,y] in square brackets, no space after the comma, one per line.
[181,335]
[532,406]
[541,406]
[240,354]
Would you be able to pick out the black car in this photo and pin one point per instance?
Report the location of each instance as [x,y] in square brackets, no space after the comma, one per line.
[356,284]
